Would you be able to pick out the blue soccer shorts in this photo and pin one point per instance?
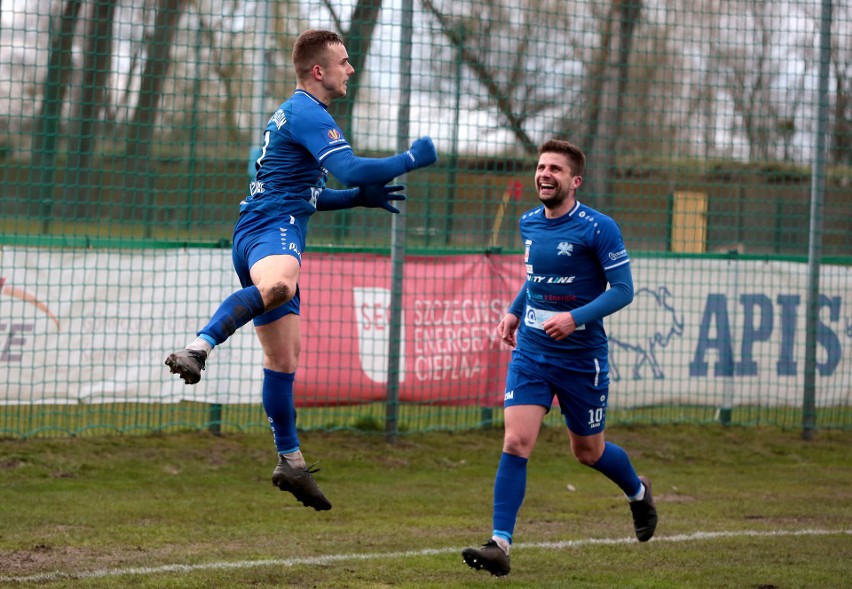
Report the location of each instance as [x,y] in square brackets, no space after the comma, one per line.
[581,386]
[257,236]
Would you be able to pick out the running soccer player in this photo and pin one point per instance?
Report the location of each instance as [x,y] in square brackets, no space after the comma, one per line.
[301,144]
[556,326]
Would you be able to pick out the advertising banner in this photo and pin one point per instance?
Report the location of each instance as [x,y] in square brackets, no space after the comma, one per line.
[81,326]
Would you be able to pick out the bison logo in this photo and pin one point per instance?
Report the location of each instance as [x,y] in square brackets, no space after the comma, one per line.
[647,324]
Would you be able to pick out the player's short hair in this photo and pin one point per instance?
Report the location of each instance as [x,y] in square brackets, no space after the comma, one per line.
[575,155]
[310,50]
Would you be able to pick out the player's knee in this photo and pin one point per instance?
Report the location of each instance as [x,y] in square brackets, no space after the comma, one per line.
[587,456]
[282,353]
[516,445]
[278,294]
[282,360]
[585,459]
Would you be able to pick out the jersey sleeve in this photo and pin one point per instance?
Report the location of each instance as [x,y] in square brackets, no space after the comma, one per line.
[618,296]
[317,131]
[609,245]
[357,171]
[612,255]
[517,306]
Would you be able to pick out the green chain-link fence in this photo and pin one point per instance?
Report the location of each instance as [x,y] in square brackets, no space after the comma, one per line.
[718,135]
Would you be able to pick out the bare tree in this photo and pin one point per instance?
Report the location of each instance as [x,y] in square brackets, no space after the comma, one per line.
[703,101]
[667,108]
[46,131]
[519,64]
[358,38]
[85,116]
[841,57]
[751,74]
[158,48]
[230,68]
[604,115]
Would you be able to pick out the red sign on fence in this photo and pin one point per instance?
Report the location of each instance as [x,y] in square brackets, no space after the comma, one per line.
[448,347]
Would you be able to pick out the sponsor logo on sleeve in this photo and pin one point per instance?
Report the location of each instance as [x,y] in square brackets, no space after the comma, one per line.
[335,136]
[279,119]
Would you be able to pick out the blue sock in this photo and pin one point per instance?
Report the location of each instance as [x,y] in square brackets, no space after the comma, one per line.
[235,311]
[280,409]
[615,464]
[510,485]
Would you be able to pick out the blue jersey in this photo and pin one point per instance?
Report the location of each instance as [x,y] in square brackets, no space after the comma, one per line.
[566,260]
[289,175]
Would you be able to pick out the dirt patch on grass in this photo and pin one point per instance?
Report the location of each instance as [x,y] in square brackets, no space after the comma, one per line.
[45,559]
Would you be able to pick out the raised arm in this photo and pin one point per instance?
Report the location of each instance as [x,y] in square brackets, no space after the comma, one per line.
[353,170]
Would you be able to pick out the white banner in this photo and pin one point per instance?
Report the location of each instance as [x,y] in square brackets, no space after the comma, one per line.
[727,333]
[80,326]
[96,326]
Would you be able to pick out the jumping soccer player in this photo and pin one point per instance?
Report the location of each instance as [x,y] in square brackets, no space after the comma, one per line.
[301,144]
[571,252]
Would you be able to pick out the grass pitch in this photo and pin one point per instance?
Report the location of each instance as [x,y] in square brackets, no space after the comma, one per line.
[739,508]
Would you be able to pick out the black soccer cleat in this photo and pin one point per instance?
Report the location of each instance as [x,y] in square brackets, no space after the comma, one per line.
[644,513]
[300,483]
[490,557]
[188,364]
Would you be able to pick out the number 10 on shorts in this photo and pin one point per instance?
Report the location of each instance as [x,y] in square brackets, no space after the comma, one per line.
[595,417]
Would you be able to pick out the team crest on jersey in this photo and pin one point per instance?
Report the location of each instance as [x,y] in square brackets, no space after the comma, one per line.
[279,119]
[564,248]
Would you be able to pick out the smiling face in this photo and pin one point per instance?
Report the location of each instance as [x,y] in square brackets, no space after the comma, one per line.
[556,183]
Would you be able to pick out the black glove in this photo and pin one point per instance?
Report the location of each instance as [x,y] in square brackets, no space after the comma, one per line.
[377,195]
